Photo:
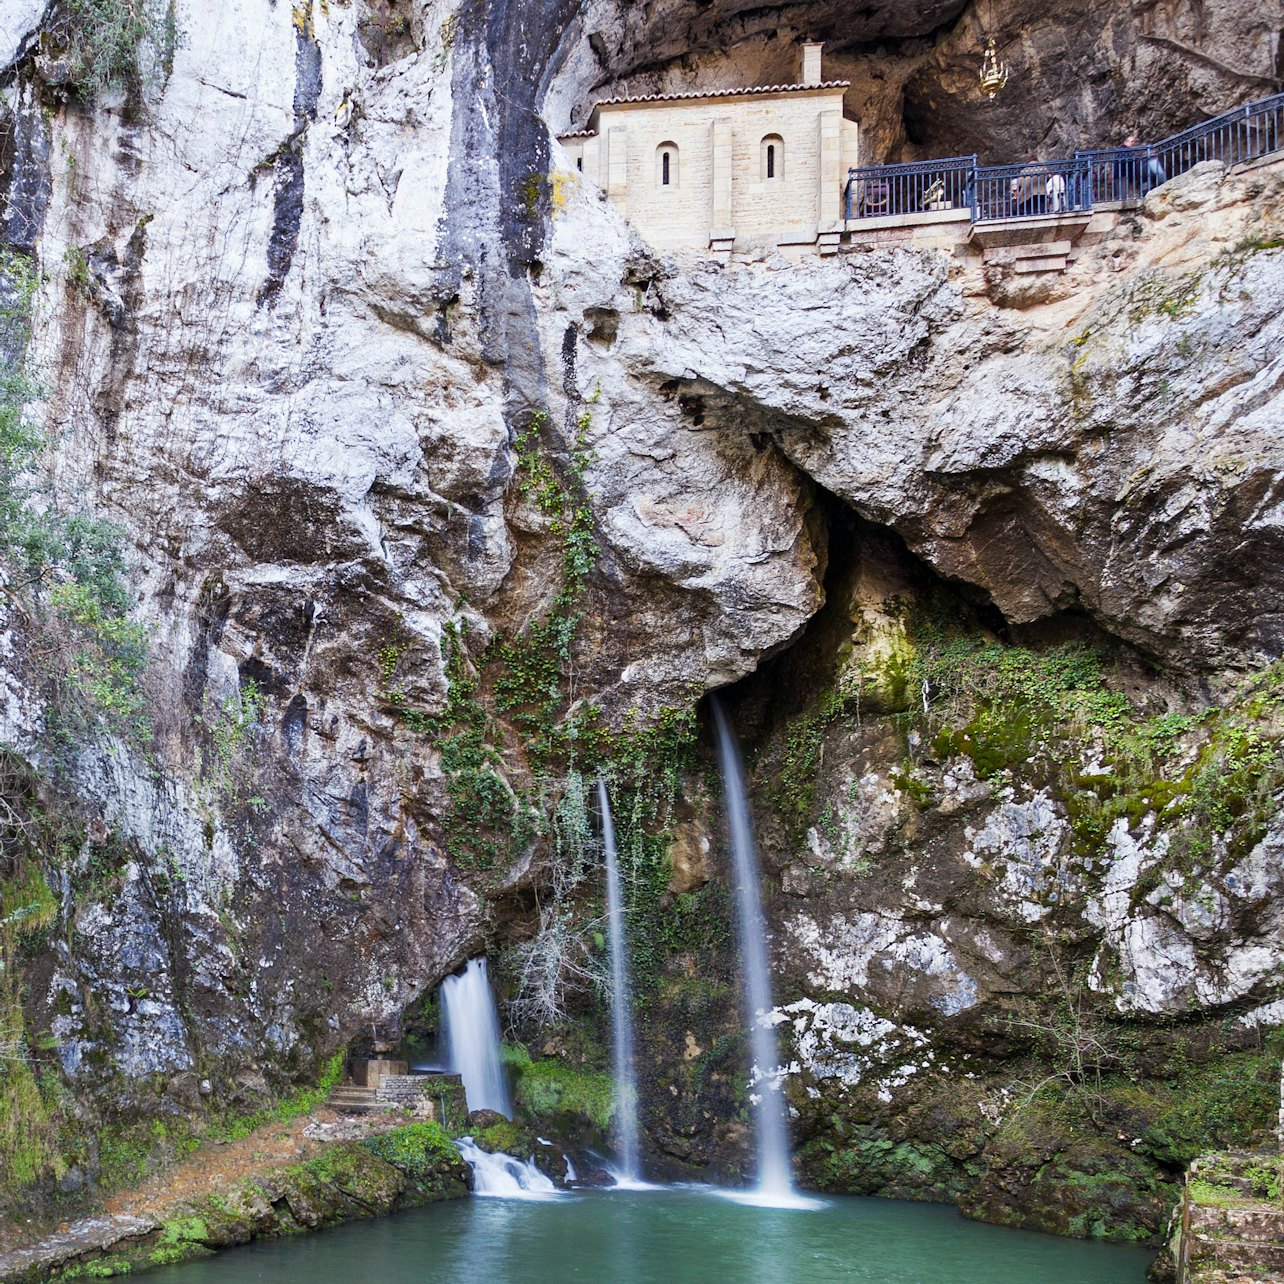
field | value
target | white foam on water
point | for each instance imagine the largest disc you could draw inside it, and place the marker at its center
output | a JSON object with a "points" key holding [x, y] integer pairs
{"points": [[624, 1182], [789, 1199], [501, 1176]]}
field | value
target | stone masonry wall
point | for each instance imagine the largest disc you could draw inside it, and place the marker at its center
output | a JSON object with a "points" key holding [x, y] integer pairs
{"points": [[783, 209]]}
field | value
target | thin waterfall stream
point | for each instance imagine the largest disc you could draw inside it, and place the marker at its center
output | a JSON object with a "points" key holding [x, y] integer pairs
{"points": [[774, 1176], [471, 1028], [624, 1066]]}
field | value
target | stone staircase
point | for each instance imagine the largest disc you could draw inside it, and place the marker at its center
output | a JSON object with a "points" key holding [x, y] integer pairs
{"points": [[1232, 1228], [353, 1099]]}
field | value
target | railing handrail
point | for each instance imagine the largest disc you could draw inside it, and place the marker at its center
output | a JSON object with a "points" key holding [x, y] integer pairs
{"points": [[1138, 167], [916, 167], [1014, 168], [1245, 111]]}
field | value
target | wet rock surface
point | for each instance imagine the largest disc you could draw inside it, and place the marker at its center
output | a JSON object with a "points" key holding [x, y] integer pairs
{"points": [[354, 360]]}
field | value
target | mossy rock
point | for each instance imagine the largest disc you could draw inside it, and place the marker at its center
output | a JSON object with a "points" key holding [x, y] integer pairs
{"points": [[873, 1164], [1082, 1187], [422, 1151], [506, 1138]]}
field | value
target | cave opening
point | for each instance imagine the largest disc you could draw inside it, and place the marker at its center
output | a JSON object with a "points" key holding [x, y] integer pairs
{"points": [[870, 563]]}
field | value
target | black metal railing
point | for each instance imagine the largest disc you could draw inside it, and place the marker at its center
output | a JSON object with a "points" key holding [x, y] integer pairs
{"points": [[913, 188], [1036, 187], [1087, 179]]}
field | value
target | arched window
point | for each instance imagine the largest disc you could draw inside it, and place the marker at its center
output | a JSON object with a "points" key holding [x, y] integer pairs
{"points": [[773, 157], [666, 165]]}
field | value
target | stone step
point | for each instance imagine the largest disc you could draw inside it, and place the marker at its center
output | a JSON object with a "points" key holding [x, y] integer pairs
{"points": [[352, 1099], [1229, 1253]]}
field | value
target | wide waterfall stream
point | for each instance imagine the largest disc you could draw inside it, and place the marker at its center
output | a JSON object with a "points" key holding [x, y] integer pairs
{"points": [[622, 1058], [672, 1237], [471, 1026]]}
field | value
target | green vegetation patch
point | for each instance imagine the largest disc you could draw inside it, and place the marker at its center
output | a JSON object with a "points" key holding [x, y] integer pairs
{"points": [[67, 569], [418, 1149], [1206, 1192], [544, 1089], [302, 1102], [1058, 718], [118, 43], [181, 1240]]}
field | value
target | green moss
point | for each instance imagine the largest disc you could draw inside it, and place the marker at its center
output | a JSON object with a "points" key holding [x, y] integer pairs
{"points": [[522, 676], [29, 1142], [798, 773], [27, 904], [302, 1102], [181, 1240], [1225, 1102], [917, 790], [352, 1179], [1209, 778], [873, 1164], [417, 1149], [1204, 1192], [1158, 294], [102, 1269], [547, 1088], [507, 1138], [531, 667]]}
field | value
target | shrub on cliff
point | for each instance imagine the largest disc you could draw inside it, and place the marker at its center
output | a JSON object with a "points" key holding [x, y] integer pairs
{"points": [[64, 571], [116, 43]]}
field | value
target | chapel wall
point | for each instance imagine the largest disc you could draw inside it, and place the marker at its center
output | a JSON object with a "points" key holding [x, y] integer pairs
{"points": [[784, 209]]}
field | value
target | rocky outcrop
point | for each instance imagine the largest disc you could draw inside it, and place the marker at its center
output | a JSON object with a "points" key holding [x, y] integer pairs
{"points": [[1043, 456], [437, 485]]}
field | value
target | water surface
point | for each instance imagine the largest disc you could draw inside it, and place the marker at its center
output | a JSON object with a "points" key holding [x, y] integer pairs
{"points": [[671, 1237]]}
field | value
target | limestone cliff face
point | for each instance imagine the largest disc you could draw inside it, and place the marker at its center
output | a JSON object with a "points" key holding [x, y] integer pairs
{"points": [[354, 359]]}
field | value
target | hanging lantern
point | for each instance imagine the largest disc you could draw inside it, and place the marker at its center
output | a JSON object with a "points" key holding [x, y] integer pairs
{"points": [[994, 72]]}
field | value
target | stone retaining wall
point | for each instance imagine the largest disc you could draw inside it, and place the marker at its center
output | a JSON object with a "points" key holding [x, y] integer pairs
{"points": [[1232, 1220], [436, 1096]]}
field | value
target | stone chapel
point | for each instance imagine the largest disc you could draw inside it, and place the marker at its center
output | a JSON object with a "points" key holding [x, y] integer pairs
{"points": [[726, 170]]}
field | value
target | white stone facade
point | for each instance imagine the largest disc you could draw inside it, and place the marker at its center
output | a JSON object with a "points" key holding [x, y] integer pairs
{"points": [[728, 170]]}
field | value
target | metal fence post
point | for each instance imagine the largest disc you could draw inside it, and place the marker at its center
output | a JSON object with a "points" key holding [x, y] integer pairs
{"points": [[974, 182]]}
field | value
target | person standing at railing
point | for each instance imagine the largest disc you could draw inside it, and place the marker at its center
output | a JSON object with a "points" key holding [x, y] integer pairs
{"points": [[1139, 171], [1056, 190], [1155, 175], [1029, 190]]}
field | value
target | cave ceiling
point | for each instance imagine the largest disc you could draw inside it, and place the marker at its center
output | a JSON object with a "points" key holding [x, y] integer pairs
{"points": [[1082, 75]]}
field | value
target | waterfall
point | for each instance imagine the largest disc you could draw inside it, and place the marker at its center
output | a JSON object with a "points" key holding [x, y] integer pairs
{"points": [[775, 1182], [623, 1064], [471, 1028], [503, 1175]]}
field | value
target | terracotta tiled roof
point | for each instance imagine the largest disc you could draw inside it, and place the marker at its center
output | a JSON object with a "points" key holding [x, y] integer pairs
{"points": [[580, 133], [723, 93]]}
